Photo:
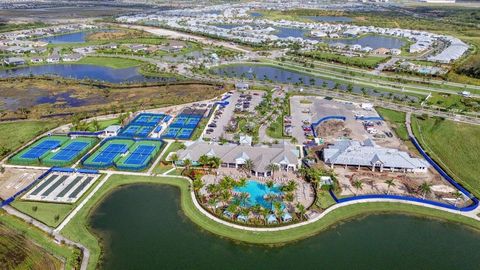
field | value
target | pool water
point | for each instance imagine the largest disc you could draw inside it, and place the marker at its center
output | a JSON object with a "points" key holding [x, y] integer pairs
{"points": [[257, 192]]}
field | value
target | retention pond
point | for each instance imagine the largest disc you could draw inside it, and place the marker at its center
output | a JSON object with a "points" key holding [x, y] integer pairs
{"points": [[143, 227]]}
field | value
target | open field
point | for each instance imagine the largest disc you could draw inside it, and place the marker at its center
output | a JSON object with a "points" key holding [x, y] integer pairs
{"points": [[396, 120], [15, 134], [365, 62], [113, 62], [69, 255], [18, 252], [77, 229], [454, 146]]}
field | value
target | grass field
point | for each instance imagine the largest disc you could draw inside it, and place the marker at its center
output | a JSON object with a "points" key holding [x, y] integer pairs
{"points": [[275, 130], [15, 134], [44, 212], [454, 146], [77, 229], [396, 120], [102, 124], [43, 245], [365, 62], [18, 252], [173, 147], [112, 62]]}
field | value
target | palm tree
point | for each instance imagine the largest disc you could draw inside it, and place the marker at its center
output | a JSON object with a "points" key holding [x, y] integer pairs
{"points": [[264, 212], [214, 162], [358, 185], [225, 196], [270, 184], [248, 166], [278, 208], [243, 198], [273, 168], [187, 163], [198, 184], [174, 158], [300, 210], [242, 182], [389, 183], [425, 188], [204, 160]]}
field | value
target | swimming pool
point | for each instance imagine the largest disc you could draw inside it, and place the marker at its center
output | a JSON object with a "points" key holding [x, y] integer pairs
{"points": [[257, 192]]}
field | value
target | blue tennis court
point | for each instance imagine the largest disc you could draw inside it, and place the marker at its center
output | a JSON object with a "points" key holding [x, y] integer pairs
{"points": [[40, 149], [144, 131], [110, 152], [171, 132], [185, 133], [140, 155], [131, 130], [70, 151]]}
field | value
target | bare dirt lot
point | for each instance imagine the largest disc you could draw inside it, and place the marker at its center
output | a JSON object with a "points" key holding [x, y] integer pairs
{"points": [[13, 180]]}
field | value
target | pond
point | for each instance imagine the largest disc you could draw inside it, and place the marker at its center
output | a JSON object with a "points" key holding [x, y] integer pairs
{"points": [[280, 75], [77, 37], [160, 236], [81, 71], [328, 18]]}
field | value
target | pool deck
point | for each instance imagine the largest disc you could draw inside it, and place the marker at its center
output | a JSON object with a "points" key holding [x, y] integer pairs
{"points": [[304, 193]]}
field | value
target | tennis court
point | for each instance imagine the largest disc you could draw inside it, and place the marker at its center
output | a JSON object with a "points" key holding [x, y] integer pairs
{"points": [[142, 125], [108, 153], [182, 127], [142, 153], [57, 150], [70, 152]]}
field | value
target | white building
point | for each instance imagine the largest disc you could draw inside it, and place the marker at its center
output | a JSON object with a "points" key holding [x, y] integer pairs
{"points": [[368, 154]]}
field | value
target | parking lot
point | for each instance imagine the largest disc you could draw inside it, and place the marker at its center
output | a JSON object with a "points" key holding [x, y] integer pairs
{"points": [[61, 187], [238, 103], [308, 109]]}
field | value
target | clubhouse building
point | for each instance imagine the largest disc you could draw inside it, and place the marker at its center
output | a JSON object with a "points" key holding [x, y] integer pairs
{"points": [[286, 156], [368, 154]]}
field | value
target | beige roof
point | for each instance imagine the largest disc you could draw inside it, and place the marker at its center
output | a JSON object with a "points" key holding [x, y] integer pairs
{"points": [[262, 156]]}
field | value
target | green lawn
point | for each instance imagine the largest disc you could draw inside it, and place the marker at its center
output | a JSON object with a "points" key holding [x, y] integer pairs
{"points": [[70, 255], [199, 129], [173, 147], [454, 146], [77, 229], [396, 120], [161, 168], [102, 124], [45, 212], [368, 61], [15, 134], [113, 62], [275, 130]]}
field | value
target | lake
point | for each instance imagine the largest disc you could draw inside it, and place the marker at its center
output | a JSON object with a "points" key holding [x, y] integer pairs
{"points": [[81, 71], [280, 75], [160, 236], [76, 37]]}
